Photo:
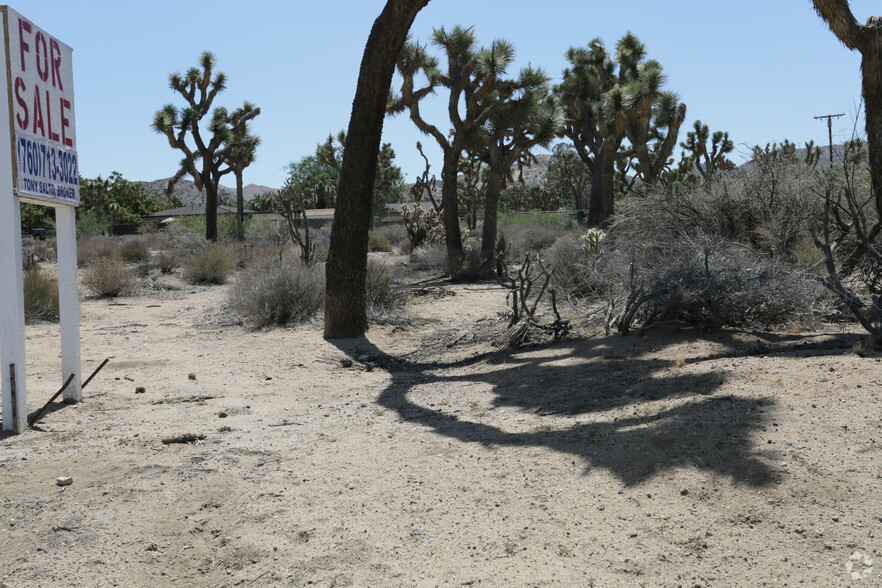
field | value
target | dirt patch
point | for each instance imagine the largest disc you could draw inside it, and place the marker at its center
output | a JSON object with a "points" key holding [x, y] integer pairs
{"points": [[423, 455]]}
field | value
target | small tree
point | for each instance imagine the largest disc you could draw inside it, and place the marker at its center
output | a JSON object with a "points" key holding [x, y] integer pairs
{"points": [[571, 175], [240, 154], [290, 203], [849, 240], [206, 162]]}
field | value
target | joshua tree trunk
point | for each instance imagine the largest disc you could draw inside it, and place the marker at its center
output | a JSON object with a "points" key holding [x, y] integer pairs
{"points": [[601, 202], [240, 208], [449, 199], [491, 209], [210, 211], [345, 312], [867, 39]]}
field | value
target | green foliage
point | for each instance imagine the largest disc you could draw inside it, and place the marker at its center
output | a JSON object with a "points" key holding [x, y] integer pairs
{"points": [[114, 201], [263, 202], [315, 179], [570, 175], [109, 277], [40, 295], [270, 292], [34, 216], [609, 100], [226, 225], [210, 265], [89, 225], [316, 176], [696, 156]]}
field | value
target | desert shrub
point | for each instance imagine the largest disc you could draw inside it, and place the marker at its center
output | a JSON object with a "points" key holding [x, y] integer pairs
{"points": [[576, 266], [711, 282], [46, 249], [109, 277], [525, 238], [431, 258], [88, 224], [28, 253], [167, 260], [210, 265], [769, 206], [40, 295], [134, 251], [95, 248], [387, 238], [383, 295], [270, 292]]}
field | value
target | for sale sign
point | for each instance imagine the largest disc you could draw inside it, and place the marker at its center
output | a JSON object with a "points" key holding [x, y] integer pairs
{"points": [[41, 85]]}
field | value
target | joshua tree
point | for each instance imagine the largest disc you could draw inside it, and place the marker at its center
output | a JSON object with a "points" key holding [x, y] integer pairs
{"points": [[608, 101], [517, 124], [346, 269], [866, 39], [569, 172], [240, 154], [471, 76], [199, 88], [707, 163]]}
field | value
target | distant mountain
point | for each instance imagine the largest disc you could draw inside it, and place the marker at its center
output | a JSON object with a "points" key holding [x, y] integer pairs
{"points": [[189, 195]]}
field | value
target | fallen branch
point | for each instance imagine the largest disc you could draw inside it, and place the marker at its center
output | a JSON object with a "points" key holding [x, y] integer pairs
{"points": [[190, 398], [185, 438]]}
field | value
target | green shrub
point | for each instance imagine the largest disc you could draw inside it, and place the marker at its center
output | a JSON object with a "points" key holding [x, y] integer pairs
{"points": [[109, 277], [211, 265], [382, 292], [40, 295], [270, 292]]}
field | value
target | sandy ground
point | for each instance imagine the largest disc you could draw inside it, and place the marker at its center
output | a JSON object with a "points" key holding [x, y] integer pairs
{"points": [[422, 455]]}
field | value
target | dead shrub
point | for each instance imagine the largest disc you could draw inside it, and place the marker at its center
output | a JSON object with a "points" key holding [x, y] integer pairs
{"points": [[95, 248], [210, 265], [109, 277], [387, 238], [710, 282], [272, 292], [40, 295], [134, 251], [383, 295], [430, 258]]}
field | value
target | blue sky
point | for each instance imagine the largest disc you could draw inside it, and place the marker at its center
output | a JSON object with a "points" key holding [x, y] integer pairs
{"points": [[757, 69]]}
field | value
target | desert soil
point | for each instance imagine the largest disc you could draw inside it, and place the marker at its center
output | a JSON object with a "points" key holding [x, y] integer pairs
{"points": [[424, 455]]}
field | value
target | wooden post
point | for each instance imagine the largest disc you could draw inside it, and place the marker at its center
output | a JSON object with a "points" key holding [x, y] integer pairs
{"points": [[68, 301], [12, 335]]}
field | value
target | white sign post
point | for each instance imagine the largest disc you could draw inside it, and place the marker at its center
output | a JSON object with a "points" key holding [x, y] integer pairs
{"points": [[38, 164]]}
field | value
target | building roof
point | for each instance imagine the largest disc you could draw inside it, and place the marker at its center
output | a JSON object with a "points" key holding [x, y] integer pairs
{"points": [[193, 210]]}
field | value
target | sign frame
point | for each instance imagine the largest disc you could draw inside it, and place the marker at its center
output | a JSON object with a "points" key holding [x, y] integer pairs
{"points": [[13, 192]]}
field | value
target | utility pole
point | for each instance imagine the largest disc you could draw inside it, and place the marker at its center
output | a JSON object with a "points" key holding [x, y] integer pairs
{"points": [[830, 118]]}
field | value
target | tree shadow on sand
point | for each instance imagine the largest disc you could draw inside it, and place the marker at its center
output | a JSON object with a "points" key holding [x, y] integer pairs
{"points": [[671, 419]]}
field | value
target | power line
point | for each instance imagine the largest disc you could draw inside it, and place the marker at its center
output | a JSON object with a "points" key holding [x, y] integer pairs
{"points": [[830, 118]]}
